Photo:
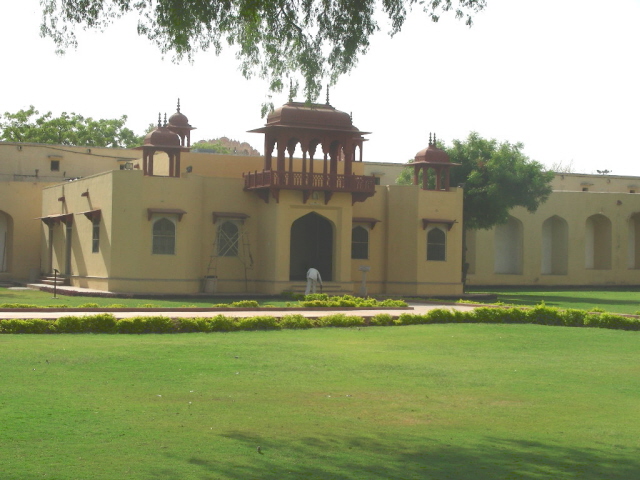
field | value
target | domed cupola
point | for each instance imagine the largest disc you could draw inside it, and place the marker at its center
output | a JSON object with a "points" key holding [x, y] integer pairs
{"points": [[326, 137], [161, 139], [435, 160], [179, 124]]}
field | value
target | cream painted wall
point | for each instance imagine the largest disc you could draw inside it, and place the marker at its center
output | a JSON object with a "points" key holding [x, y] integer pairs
{"points": [[20, 205], [19, 161], [575, 208]]}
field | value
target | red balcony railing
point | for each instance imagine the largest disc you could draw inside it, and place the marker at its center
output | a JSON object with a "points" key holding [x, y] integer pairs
{"points": [[309, 181]]}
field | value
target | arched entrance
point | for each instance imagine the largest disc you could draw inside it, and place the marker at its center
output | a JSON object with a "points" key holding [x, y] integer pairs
{"points": [[311, 246]]}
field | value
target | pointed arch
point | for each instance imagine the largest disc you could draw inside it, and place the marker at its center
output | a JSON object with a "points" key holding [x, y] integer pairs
{"points": [[555, 246], [508, 245], [311, 245], [633, 260], [597, 240]]}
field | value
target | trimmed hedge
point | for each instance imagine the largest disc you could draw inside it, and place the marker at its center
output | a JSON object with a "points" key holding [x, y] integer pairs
{"points": [[323, 300], [107, 323]]}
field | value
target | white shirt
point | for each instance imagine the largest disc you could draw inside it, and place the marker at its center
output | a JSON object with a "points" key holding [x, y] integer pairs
{"points": [[314, 274]]}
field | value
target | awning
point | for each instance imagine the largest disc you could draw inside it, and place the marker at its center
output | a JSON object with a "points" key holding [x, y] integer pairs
{"points": [[427, 221], [371, 221], [66, 218], [217, 215], [165, 211], [92, 214]]}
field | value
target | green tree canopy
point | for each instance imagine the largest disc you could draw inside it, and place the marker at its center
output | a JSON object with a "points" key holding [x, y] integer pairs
{"points": [[274, 39], [67, 129], [497, 177]]}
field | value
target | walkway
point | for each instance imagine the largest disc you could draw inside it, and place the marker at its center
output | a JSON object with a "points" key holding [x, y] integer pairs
{"points": [[46, 313], [418, 308]]}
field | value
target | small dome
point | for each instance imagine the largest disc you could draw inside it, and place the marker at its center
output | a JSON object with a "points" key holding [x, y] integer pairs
{"points": [[432, 154], [178, 119], [314, 115], [162, 137]]}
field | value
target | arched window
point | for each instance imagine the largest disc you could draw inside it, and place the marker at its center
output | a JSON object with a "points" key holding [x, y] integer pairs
{"points": [[164, 237], [95, 234], [228, 237], [359, 243], [436, 244]]}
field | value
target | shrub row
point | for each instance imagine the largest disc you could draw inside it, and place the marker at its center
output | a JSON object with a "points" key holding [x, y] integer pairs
{"points": [[107, 323], [323, 300]]}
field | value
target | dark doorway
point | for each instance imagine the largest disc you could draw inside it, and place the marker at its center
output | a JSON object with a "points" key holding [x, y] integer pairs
{"points": [[311, 246]]}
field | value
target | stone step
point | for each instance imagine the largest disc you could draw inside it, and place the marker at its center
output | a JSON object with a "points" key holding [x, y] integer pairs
{"points": [[58, 281]]}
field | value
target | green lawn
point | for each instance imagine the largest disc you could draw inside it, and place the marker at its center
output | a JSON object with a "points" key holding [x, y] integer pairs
{"points": [[618, 300], [419, 402], [45, 299]]}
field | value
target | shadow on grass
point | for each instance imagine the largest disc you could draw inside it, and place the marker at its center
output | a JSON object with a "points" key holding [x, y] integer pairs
{"points": [[380, 458]]}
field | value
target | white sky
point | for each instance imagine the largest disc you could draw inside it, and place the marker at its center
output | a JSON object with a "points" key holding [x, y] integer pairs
{"points": [[561, 76]]}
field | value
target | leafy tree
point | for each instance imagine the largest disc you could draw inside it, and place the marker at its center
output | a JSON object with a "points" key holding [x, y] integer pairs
{"points": [[211, 147], [497, 177], [274, 38], [67, 129]]}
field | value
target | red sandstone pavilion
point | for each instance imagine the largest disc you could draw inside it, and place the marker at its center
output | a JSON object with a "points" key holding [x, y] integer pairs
{"points": [[322, 131]]}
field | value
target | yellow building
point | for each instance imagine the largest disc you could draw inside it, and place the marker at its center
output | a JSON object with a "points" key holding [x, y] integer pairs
{"points": [[587, 233], [164, 220]]}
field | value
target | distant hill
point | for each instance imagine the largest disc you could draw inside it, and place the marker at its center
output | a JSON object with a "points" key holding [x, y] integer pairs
{"points": [[224, 145]]}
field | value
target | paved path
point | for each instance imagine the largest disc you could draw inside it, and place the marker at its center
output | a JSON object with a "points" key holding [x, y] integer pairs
{"points": [[415, 308]]}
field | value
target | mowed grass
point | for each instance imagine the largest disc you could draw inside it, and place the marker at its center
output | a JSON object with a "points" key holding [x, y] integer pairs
{"points": [[618, 300], [45, 299], [417, 402]]}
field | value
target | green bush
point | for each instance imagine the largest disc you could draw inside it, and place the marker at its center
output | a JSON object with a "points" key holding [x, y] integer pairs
{"points": [[32, 325], [258, 323], [610, 320], [89, 305], [381, 319], [221, 323], [341, 320], [573, 317], [409, 319], [185, 325], [70, 324], [597, 310], [296, 321], [138, 325], [313, 303], [245, 304], [17, 305], [543, 315], [389, 302], [439, 315], [316, 296], [116, 305], [488, 315], [101, 323]]}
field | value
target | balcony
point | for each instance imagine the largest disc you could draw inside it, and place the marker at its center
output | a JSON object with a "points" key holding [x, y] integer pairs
{"points": [[269, 181]]}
